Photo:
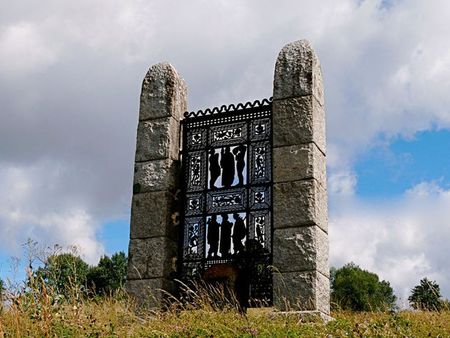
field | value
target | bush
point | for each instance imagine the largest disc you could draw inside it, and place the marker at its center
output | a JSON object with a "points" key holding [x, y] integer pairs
{"points": [[426, 296], [109, 275], [360, 290], [65, 273]]}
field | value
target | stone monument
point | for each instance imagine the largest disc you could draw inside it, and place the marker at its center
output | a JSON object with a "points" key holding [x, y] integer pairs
{"points": [[293, 194], [154, 208], [300, 256]]}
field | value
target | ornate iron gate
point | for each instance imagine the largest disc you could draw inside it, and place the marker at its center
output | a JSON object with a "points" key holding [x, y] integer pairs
{"points": [[227, 189]]}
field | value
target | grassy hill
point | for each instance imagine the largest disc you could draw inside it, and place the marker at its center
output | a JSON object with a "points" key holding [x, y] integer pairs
{"points": [[43, 315]]}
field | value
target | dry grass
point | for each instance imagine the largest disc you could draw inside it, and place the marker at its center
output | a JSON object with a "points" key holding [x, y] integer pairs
{"points": [[37, 310], [42, 313]]}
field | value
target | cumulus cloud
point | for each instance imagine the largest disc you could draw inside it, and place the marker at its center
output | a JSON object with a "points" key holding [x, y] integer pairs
{"points": [[32, 206], [342, 183], [25, 50], [70, 75], [402, 239]]}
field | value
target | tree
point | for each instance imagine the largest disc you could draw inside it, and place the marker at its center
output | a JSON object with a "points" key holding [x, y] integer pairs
{"points": [[66, 273], [360, 290], [426, 296], [2, 288], [109, 275]]}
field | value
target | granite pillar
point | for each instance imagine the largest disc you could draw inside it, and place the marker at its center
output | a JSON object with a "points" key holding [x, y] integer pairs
{"points": [[155, 201], [300, 240]]}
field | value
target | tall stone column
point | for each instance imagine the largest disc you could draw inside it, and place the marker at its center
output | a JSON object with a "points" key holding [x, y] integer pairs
{"points": [[300, 240], [154, 210]]}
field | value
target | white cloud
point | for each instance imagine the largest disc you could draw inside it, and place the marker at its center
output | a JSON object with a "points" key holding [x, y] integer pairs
{"points": [[403, 239], [31, 207], [25, 50], [342, 183], [386, 73]]}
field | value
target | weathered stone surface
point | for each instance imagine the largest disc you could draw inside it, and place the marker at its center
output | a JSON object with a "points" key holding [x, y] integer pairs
{"points": [[300, 291], [154, 214], [151, 258], [294, 291], [147, 292], [299, 162], [156, 175], [163, 94], [155, 207], [323, 293], [299, 203], [300, 249], [158, 139], [300, 240], [308, 316], [298, 72], [298, 120]]}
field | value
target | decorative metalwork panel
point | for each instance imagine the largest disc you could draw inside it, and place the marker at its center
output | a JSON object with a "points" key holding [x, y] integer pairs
{"points": [[196, 139], [196, 171], [234, 133], [194, 204], [193, 238], [227, 200], [260, 228], [260, 162], [260, 129], [227, 189], [260, 197]]}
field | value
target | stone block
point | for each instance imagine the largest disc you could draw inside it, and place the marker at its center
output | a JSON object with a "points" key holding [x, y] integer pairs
{"points": [[298, 120], [299, 162], [323, 293], [151, 258], [301, 291], [298, 72], [163, 94], [299, 203], [150, 293], [156, 175], [158, 139], [154, 214], [309, 316], [300, 249], [294, 291]]}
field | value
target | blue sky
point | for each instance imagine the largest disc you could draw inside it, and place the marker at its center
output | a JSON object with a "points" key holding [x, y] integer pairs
{"points": [[388, 170], [115, 236], [70, 77]]}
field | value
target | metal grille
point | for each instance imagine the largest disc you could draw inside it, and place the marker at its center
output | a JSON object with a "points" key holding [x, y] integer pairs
{"points": [[227, 189]]}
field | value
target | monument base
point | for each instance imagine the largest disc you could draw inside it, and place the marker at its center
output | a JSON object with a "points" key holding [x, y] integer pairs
{"points": [[306, 316], [301, 316]]}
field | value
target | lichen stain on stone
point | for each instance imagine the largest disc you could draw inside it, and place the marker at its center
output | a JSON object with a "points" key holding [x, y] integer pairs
{"points": [[175, 218]]}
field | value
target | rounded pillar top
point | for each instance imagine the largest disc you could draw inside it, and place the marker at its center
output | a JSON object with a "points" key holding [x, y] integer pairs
{"points": [[298, 72], [164, 93]]}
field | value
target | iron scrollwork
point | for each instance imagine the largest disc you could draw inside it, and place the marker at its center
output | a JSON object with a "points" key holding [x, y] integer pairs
{"points": [[227, 163]]}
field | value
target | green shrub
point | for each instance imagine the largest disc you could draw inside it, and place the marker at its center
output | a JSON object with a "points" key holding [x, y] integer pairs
{"points": [[109, 275], [65, 273], [360, 290], [426, 296]]}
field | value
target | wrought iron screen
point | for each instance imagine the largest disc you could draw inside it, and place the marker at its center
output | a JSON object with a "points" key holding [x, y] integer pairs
{"points": [[227, 189]]}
